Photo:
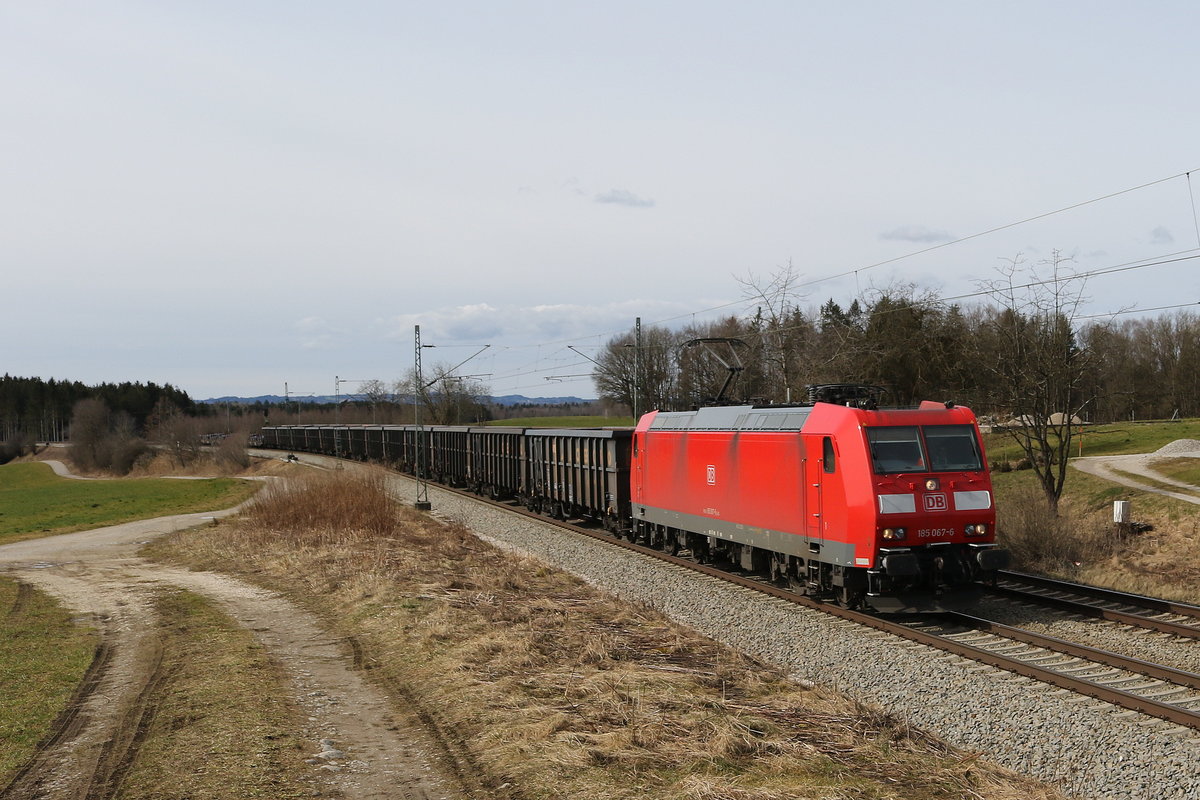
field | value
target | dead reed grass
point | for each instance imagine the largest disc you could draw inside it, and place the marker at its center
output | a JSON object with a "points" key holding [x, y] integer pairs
{"points": [[1045, 542], [1083, 544], [551, 689]]}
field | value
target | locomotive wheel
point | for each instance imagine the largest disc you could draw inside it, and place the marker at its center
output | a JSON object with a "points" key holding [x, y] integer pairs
{"points": [[849, 598]]}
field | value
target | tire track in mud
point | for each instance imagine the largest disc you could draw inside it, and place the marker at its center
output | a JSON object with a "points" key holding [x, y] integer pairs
{"points": [[28, 781], [118, 753], [21, 601], [96, 744], [454, 752], [392, 755]]}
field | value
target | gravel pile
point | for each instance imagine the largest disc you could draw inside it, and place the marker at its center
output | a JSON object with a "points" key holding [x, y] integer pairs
{"points": [[1180, 447], [1087, 748]]}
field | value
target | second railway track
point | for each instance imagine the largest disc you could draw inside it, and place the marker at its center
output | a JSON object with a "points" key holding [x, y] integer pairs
{"points": [[1152, 613]]}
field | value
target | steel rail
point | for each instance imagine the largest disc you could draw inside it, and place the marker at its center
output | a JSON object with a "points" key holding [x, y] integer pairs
{"points": [[1148, 668], [1100, 593], [1180, 629]]}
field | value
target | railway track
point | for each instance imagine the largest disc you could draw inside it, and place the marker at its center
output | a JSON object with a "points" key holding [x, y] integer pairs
{"points": [[1149, 688], [1164, 616], [1152, 689]]}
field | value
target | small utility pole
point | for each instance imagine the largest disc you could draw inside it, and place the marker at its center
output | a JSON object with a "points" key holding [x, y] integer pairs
{"points": [[422, 503], [337, 405], [637, 370]]}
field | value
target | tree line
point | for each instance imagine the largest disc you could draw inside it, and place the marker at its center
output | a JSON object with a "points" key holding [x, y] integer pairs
{"points": [[1023, 357], [36, 409]]}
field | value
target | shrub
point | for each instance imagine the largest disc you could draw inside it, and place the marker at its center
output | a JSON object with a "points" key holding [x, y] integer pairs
{"points": [[101, 440], [15, 446], [1041, 541], [330, 501], [231, 453]]}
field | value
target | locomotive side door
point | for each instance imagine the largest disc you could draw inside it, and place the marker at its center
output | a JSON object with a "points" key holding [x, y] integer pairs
{"points": [[638, 459], [814, 471]]}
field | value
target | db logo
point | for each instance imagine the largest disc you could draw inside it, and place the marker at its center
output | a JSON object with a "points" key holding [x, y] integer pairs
{"points": [[936, 502], [712, 474]]}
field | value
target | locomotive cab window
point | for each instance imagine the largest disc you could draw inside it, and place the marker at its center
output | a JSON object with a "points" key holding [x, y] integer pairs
{"points": [[828, 456], [896, 449], [953, 448]]}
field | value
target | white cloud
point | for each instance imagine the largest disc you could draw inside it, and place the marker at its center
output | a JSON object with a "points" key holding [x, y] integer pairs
{"points": [[316, 333], [522, 325], [916, 233], [1161, 235], [623, 197]]}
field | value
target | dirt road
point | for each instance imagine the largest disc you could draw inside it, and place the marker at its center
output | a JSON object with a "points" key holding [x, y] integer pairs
{"points": [[362, 746], [1141, 464]]}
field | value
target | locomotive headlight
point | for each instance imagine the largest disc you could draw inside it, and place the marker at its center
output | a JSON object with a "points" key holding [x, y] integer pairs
{"points": [[893, 533], [979, 529], [932, 484]]}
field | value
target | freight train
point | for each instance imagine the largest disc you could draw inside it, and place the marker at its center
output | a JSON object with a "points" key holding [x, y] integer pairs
{"points": [[887, 508]]}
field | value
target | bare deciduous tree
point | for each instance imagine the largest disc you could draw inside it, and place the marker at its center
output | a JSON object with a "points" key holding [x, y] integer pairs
{"points": [[625, 371], [175, 432], [1036, 362], [101, 440], [376, 393], [446, 398], [780, 326]]}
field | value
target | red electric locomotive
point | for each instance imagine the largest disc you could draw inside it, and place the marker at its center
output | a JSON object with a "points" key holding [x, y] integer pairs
{"points": [[888, 508]]}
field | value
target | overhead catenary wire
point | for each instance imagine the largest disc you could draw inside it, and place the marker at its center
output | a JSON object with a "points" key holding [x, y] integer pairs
{"points": [[1195, 219], [1169, 258]]}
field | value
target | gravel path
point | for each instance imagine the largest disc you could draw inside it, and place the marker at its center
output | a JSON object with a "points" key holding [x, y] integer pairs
{"points": [[1140, 464], [362, 747], [1087, 748]]}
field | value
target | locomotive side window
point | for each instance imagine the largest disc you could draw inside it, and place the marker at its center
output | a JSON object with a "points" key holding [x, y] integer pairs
{"points": [[896, 449], [953, 448], [828, 456]]}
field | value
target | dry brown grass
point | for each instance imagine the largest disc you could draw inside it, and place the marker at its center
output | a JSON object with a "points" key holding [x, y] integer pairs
{"points": [[221, 728], [227, 461], [1041, 541], [1084, 545], [547, 688]]}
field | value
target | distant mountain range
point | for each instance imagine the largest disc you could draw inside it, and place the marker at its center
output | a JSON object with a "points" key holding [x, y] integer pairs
{"points": [[505, 400]]}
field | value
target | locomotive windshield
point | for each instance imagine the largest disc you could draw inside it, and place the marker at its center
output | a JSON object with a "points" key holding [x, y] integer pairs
{"points": [[909, 448], [953, 448]]}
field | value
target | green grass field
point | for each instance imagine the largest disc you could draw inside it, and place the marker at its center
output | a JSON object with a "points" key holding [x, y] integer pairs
{"points": [[43, 656], [35, 502], [1118, 438]]}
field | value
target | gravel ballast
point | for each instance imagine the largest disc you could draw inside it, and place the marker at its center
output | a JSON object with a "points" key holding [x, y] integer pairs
{"points": [[1088, 748]]}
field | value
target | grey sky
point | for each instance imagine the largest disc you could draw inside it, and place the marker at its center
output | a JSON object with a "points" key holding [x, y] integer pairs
{"points": [[230, 195]]}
